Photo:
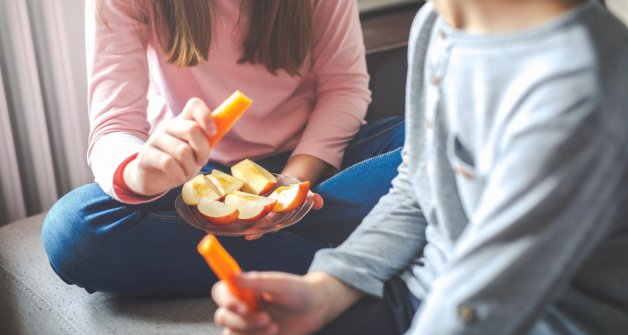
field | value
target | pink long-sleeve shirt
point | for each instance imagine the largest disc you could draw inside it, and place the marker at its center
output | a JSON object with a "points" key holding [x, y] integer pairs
{"points": [[132, 87]]}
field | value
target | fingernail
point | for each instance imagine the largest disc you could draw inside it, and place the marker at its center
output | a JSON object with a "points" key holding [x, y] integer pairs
{"points": [[211, 130], [242, 309], [273, 329], [262, 319]]}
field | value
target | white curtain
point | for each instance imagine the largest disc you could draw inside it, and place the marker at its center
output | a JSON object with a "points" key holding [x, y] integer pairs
{"points": [[43, 118]]}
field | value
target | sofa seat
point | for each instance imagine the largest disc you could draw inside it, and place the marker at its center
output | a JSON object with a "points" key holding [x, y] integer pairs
{"points": [[33, 300]]}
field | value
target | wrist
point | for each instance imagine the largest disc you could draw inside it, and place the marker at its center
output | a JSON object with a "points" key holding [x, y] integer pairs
{"points": [[305, 167], [131, 180], [127, 174], [336, 296], [135, 181]]}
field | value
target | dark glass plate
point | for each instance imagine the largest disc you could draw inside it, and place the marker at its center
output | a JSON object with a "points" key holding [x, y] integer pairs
{"points": [[270, 223]]}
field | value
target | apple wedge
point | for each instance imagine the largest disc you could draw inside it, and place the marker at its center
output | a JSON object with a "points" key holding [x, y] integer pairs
{"points": [[250, 206], [224, 182], [217, 212], [197, 188], [256, 179], [289, 197]]}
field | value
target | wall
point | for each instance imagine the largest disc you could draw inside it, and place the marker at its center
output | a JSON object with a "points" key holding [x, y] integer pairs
{"points": [[619, 8], [371, 5]]}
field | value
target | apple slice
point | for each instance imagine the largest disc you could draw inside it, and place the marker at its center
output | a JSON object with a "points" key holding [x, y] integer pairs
{"points": [[225, 183], [197, 188], [256, 179], [251, 207], [290, 197], [217, 212]]}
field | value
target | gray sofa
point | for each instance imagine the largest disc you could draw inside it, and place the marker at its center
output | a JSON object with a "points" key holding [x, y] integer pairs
{"points": [[33, 300]]}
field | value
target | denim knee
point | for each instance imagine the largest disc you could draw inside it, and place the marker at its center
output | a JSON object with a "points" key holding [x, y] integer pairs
{"points": [[395, 132], [70, 230], [399, 133]]}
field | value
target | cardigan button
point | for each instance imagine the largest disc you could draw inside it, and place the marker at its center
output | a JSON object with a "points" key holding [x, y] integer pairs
{"points": [[465, 172], [466, 314], [435, 80]]}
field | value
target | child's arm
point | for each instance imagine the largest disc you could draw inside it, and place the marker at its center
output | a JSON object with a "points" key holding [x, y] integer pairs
{"points": [[387, 241]]}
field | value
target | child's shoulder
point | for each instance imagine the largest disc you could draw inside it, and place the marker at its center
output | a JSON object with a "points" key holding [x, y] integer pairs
{"points": [[586, 47], [424, 17], [421, 28]]}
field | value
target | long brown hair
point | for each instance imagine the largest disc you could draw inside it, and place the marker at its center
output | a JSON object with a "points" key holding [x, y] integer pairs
{"points": [[279, 37]]}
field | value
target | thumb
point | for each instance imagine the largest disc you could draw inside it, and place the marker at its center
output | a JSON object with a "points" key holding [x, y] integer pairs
{"points": [[318, 200], [196, 110]]}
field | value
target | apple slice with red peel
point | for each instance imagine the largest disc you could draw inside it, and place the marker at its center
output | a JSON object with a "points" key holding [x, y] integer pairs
{"points": [[256, 179], [197, 188], [217, 212], [224, 182], [289, 197], [251, 207]]}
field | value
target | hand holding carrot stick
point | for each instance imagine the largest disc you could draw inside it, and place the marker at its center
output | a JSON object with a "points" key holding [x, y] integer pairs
{"points": [[225, 268], [179, 147]]}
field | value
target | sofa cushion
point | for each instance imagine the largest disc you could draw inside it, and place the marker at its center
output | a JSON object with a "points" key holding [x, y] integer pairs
{"points": [[35, 301]]}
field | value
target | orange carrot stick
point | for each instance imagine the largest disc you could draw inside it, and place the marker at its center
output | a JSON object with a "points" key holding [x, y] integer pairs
{"points": [[228, 113], [225, 268]]}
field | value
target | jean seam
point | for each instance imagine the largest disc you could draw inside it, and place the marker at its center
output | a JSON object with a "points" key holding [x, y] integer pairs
{"points": [[379, 133], [166, 217]]}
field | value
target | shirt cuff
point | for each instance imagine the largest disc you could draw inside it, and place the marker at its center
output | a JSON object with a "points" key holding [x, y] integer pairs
{"points": [[344, 269], [105, 158], [122, 190]]}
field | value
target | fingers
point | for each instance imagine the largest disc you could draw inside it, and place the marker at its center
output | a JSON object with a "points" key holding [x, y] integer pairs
{"points": [[153, 158], [272, 329], [257, 323], [269, 283], [191, 133], [252, 237], [178, 149], [235, 316], [318, 200], [195, 109], [223, 297], [277, 285]]}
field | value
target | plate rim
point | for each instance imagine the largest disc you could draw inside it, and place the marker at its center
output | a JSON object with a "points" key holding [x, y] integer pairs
{"points": [[307, 206]]}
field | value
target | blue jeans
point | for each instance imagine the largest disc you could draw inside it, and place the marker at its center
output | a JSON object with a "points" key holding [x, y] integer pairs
{"points": [[390, 314], [100, 244]]}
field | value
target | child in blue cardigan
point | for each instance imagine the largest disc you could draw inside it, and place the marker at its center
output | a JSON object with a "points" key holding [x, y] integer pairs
{"points": [[508, 215]]}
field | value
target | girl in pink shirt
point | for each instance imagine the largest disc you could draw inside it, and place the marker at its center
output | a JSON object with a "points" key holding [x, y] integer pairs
{"points": [[156, 68]]}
